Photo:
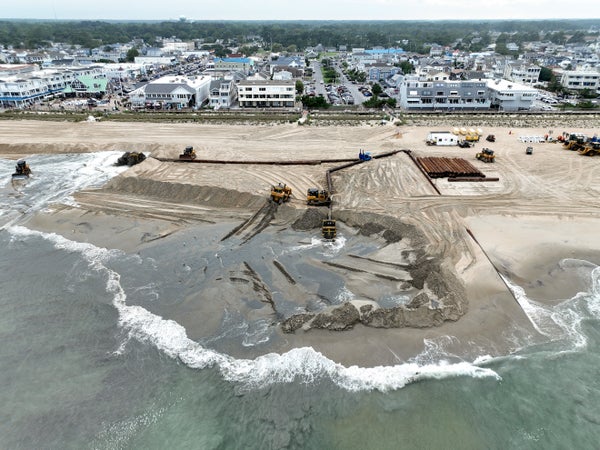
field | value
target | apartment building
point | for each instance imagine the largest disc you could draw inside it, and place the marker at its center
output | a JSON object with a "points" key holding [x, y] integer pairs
{"points": [[443, 94], [25, 89], [522, 72], [581, 78], [266, 93]]}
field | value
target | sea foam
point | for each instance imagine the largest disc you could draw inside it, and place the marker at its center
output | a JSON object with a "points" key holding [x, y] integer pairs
{"points": [[300, 364]]}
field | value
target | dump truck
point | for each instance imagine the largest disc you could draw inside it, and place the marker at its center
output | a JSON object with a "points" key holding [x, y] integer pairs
{"points": [[329, 229], [130, 159], [318, 197], [188, 153], [486, 155], [280, 193]]}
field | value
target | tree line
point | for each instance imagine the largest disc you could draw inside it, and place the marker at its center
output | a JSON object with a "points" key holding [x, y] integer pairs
{"points": [[410, 35]]}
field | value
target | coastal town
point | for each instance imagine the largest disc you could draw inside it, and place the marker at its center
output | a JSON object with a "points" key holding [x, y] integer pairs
{"points": [[179, 75]]}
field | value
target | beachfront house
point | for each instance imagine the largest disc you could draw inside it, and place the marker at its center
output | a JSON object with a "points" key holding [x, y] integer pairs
{"points": [[506, 95], [222, 93], [266, 93], [172, 92]]}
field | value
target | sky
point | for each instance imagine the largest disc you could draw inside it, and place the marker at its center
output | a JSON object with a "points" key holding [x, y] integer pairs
{"points": [[299, 9]]}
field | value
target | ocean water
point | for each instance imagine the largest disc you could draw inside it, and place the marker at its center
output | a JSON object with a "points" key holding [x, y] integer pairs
{"points": [[88, 360]]}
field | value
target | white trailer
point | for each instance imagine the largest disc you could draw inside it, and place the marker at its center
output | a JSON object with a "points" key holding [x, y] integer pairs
{"points": [[441, 138]]}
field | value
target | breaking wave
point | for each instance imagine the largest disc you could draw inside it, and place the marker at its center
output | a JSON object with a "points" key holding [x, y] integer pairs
{"points": [[300, 364]]}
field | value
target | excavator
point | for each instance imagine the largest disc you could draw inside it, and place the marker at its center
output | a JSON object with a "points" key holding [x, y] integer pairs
{"points": [[188, 153], [486, 155], [22, 170], [281, 193], [318, 197], [329, 229], [130, 159]]}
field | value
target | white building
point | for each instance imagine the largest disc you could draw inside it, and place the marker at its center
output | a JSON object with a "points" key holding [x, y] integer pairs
{"points": [[522, 72], [172, 92], [27, 88], [266, 93], [581, 78], [506, 95], [222, 93]]}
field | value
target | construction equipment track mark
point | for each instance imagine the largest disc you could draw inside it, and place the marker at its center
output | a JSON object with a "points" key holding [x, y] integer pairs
{"points": [[284, 272], [255, 224]]}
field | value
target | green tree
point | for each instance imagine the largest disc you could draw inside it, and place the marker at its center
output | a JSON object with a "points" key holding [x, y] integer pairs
{"points": [[299, 87], [545, 74], [407, 67], [131, 54], [376, 89], [314, 102]]}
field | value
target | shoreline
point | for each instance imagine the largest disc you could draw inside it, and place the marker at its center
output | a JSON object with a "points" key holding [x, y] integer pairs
{"points": [[527, 213]]}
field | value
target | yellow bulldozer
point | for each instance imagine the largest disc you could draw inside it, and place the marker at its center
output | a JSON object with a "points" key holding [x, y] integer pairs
{"points": [[280, 193], [188, 154], [318, 197], [486, 155]]}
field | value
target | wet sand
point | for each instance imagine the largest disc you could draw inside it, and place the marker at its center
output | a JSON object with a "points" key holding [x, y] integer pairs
{"points": [[543, 209]]}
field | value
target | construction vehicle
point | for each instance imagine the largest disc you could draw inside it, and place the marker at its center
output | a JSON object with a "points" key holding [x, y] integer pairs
{"points": [[490, 138], [486, 155], [529, 151], [574, 141], [281, 193], [329, 229], [472, 136], [188, 153], [364, 156], [130, 159], [590, 149], [318, 197], [464, 144], [22, 170]]}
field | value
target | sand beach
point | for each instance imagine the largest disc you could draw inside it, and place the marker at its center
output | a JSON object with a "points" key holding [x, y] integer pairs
{"points": [[543, 209]]}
